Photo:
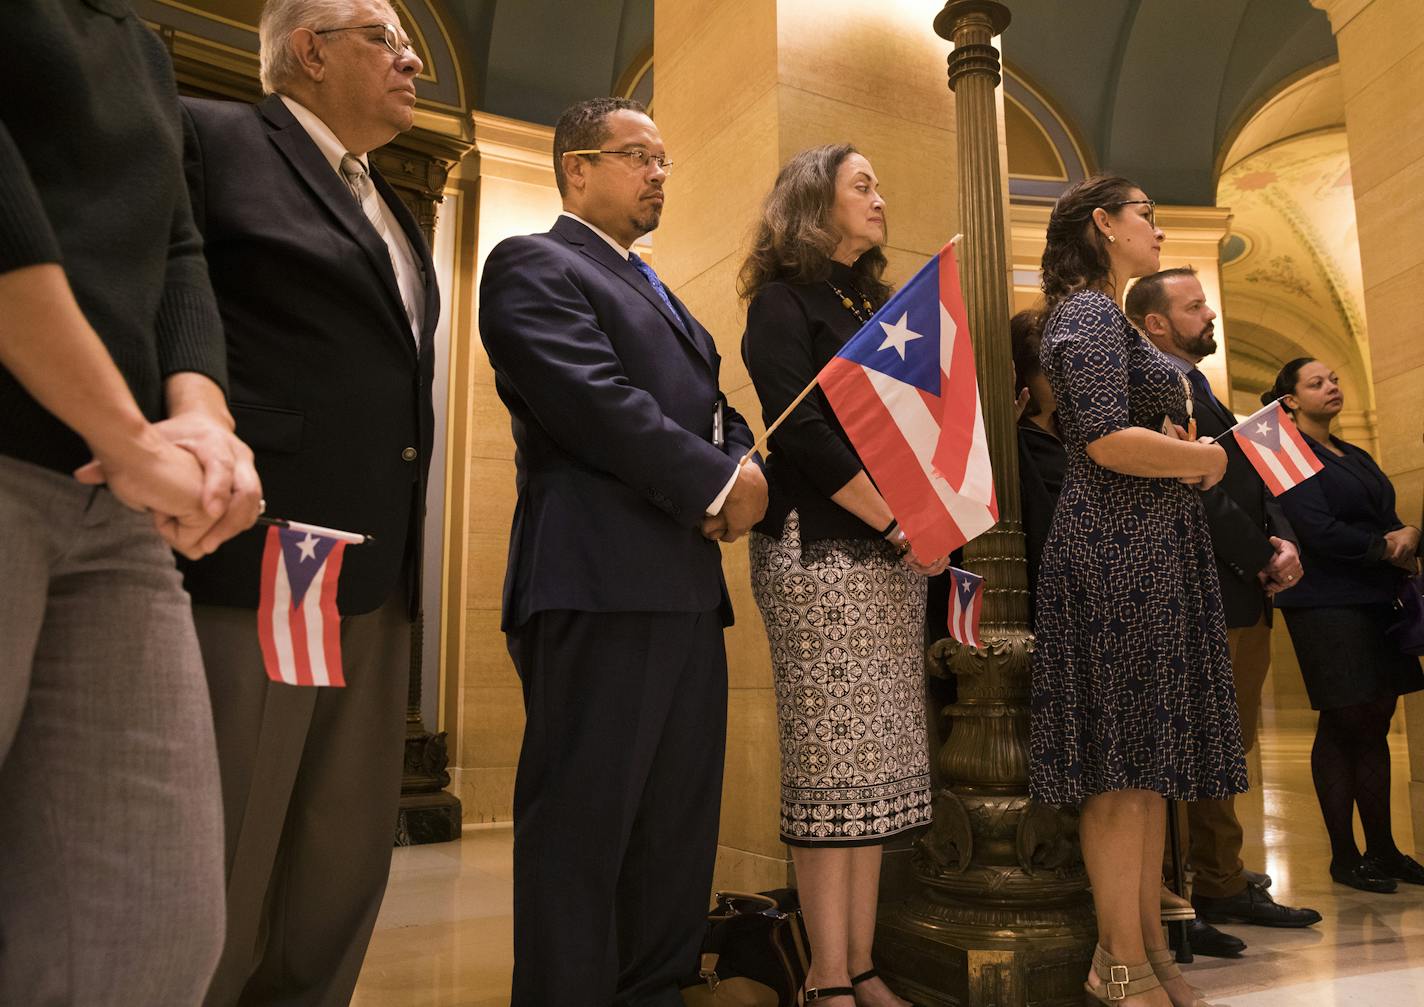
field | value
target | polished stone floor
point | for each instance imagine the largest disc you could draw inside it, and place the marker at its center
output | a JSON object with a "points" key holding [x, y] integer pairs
{"points": [[443, 938]]}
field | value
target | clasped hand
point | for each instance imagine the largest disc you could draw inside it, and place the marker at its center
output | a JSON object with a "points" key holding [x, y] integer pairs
{"points": [[1284, 570], [1401, 547], [744, 507], [1216, 459], [191, 473]]}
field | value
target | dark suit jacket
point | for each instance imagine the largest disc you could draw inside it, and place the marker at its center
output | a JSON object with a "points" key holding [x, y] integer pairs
{"points": [[1342, 513], [326, 384], [1242, 516], [611, 396]]}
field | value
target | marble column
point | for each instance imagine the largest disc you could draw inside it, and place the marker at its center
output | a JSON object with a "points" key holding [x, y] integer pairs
{"points": [[1381, 46]]}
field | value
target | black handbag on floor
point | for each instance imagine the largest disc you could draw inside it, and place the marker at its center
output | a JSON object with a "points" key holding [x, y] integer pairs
{"points": [[754, 954]]}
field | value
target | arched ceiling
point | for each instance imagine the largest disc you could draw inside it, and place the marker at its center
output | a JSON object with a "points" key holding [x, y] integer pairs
{"points": [[1154, 87], [1291, 276]]}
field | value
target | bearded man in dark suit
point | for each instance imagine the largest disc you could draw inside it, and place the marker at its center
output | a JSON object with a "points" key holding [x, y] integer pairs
{"points": [[627, 469], [328, 298], [1256, 556]]}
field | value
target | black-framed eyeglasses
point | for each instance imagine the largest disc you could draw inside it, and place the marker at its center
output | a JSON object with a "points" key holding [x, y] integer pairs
{"points": [[641, 158], [1151, 208], [390, 36]]}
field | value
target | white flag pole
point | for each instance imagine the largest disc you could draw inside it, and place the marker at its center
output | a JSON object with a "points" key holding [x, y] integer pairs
{"points": [[349, 537]]}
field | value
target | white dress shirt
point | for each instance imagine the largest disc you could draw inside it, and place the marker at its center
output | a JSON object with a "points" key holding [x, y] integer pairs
{"points": [[403, 257], [715, 506]]}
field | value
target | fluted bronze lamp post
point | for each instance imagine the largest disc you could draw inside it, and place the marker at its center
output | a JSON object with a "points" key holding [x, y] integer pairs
{"points": [[1001, 914]]}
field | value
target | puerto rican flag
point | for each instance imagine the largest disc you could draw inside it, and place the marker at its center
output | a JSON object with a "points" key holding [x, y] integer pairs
{"points": [[297, 621], [965, 603], [905, 390], [1274, 446]]}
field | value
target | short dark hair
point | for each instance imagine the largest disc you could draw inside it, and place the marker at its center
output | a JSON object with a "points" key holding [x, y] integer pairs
{"points": [[1148, 296], [1286, 381], [584, 127], [1075, 253], [1026, 337], [794, 239]]}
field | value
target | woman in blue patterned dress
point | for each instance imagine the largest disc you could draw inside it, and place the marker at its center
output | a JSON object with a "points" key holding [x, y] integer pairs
{"points": [[1133, 699]]}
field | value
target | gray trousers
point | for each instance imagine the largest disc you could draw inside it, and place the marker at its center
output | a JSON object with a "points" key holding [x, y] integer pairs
{"points": [[311, 783], [110, 828]]}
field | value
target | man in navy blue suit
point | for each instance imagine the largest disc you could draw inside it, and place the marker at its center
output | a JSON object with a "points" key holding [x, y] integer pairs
{"points": [[1256, 556], [627, 468]]}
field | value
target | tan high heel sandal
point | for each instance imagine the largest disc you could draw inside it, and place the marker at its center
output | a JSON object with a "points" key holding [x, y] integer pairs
{"points": [[1117, 981], [1164, 964]]}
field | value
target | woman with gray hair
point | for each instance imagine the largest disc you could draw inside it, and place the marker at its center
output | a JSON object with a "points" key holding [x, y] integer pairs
{"points": [[842, 596]]}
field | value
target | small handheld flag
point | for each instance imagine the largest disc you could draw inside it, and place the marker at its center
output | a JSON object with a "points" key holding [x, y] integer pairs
{"points": [[1273, 445], [905, 390], [297, 622], [965, 603]]}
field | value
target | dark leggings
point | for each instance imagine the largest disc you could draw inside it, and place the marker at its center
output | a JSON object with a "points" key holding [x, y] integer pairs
{"points": [[1350, 764]]}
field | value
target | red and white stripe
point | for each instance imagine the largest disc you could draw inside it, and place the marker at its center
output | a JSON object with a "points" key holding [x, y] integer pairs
{"points": [[300, 646], [1291, 465], [964, 620], [928, 454]]}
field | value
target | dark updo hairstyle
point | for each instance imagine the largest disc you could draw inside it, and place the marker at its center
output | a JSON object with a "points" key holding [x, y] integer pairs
{"points": [[1026, 335], [1286, 381], [1075, 255], [794, 241]]}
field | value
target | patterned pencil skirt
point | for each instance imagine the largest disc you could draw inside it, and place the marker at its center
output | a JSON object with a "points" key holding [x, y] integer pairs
{"points": [[846, 625]]}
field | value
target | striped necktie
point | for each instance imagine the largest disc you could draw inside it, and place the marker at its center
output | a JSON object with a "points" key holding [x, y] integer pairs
{"points": [[358, 180]]}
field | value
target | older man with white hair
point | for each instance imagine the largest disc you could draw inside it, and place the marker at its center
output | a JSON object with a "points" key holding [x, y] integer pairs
{"points": [[328, 300]]}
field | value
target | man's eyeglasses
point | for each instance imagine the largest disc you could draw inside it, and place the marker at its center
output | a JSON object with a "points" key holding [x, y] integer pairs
{"points": [[1151, 208], [641, 158], [390, 36]]}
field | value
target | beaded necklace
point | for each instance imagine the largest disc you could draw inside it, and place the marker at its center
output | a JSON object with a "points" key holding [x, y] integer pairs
{"points": [[850, 305]]}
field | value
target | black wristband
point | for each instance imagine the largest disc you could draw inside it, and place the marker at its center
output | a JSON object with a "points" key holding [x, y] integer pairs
{"points": [[889, 529]]}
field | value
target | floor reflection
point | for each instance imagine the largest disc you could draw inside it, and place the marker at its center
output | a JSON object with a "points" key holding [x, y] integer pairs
{"points": [[443, 937]]}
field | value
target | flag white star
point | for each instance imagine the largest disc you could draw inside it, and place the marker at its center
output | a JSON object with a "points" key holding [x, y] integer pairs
{"points": [[1263, 428], [898, 335], [308, 548]]}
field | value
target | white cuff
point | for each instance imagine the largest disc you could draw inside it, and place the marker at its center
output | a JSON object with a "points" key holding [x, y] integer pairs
{"points": [[715, 507]]}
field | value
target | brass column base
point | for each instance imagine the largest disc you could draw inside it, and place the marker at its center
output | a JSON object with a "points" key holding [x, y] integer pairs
{"points": [[428, 814], [937, 964]]}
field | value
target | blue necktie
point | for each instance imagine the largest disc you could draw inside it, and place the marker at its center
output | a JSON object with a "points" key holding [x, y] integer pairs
{"points": [[652, 278]]}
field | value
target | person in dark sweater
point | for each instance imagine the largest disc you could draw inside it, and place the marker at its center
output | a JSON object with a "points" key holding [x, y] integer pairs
{"points": [[115, 443], [842, 597], [1357, 551], [1042, 459]]}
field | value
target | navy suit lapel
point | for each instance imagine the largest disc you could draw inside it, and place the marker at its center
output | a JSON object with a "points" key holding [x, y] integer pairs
{"points": [[598, 250], [307, 161]]}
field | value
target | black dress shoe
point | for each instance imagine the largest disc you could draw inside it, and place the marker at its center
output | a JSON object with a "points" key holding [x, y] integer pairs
{"points": [[1252, 905], [1400, 867], [1205, 939], [1361, 875]]}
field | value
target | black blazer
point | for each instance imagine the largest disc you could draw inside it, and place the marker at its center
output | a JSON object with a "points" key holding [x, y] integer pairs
{"points": [[1341, 514], [326, 384], [1242, 516], [792, 331], [611, 397]]}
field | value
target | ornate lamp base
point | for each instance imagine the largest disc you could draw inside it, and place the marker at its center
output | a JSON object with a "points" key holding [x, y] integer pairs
{"points": [[427, 813], [942, 965]]}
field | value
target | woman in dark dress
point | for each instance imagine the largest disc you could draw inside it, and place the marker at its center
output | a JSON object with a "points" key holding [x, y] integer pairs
{"points": [[1357, 551], [842, 598], [1132, 690]]}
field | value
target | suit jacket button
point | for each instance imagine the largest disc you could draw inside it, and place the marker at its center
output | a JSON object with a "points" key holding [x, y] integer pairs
{"points": [[409, 454]]}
